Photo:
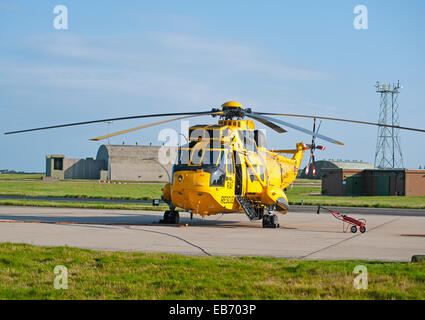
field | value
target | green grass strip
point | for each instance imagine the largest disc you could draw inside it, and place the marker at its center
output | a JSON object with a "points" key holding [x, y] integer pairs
{"points": [[86, 190], [26, 272]]}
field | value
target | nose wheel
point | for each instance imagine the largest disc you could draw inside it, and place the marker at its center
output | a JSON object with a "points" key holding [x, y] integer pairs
{"points": [[170, 217], [270, 221]]}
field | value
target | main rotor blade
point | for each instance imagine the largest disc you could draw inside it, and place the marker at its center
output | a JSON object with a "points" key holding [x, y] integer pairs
{"points": [[140, 127], [318, 128], [315, 131], [339, 119], [114, 119], [272, 125], [293, 126]]}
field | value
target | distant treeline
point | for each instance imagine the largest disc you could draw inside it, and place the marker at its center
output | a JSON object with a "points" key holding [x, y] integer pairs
{"points": [[7, 171]]}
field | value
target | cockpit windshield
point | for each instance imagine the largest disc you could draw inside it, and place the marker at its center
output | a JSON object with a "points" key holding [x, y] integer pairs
{"points": [[248, 139], [198, 155], [208, 159]]}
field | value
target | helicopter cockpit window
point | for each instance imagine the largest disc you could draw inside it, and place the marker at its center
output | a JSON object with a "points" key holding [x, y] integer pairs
{"points": [[196, 134], [204, 156], [212, 134], [229, 162], [196, 156], [251, 174], [260, 138], [210, 157], [222, 161], [218, 175], [248, 139], [259, 170], [182, 156], [200, 156]]}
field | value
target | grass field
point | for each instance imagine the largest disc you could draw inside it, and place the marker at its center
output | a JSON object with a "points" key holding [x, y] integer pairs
{"points": [[23, 177], [306, 195], [311, 196], [84, 205], [308, 182], [81, 190], [26, 272]]}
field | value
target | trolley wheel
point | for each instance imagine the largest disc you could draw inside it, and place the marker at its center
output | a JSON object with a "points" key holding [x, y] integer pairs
{"points": [[353, 229], [363, 229]]}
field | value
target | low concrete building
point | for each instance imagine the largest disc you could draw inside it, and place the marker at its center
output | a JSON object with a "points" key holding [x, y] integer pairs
{"points": [[57, 166], [114, 162], [376, 182]]}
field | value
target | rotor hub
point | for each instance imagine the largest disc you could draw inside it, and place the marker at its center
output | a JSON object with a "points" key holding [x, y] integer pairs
{"points": [[232, 110]]}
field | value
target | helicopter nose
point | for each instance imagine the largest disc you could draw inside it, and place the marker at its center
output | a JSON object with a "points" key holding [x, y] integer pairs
{"points": [[282, 203]]}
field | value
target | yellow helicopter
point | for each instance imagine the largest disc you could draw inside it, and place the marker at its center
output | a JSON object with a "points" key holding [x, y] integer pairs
{"points": [[226, 167]]}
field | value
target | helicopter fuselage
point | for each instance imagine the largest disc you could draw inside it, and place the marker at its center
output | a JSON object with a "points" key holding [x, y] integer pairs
{"points": [[228, 160]]}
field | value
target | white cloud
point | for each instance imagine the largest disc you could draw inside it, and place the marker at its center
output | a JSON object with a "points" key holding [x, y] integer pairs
{"points": [[236, 57], [165, 66]]}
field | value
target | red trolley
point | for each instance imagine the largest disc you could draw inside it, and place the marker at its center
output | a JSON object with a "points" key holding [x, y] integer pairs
{"points": [[355, 223]]}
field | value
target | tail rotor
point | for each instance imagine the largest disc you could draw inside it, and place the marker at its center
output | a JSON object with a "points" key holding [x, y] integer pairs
{"points": [[313, 147]]}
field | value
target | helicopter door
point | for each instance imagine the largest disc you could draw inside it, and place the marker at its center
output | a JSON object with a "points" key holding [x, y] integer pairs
{"points": [[230, 176], [228, 192], [254, 186], [238, 174]]}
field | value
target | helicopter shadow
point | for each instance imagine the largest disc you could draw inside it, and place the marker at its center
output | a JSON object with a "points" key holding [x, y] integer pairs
{"points": [[121, 219]]}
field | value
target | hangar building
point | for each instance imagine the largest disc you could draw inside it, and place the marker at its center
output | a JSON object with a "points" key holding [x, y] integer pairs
{"points": [[373, 182], [137, 163], [333, 164], [113, 162]]}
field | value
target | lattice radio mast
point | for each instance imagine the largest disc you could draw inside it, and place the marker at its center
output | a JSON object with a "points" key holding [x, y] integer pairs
{"points": [[388, 150]]}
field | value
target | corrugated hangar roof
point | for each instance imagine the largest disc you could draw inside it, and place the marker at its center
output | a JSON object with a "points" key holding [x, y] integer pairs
{"points": [[345, 164], [138, 163], [334, 164]]}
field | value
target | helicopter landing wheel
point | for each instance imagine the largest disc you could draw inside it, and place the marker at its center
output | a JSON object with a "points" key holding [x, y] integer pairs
{"points": [[270, 221], [167, 215], [170, 217], [353, 229], [174, 217]]}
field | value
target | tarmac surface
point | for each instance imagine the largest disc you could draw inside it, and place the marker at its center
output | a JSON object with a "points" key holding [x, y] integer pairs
{"points": [[303, 234], [294, 208]]}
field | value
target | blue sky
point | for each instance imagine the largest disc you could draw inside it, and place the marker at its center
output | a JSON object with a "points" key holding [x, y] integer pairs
{"points": [[136, 57]]}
